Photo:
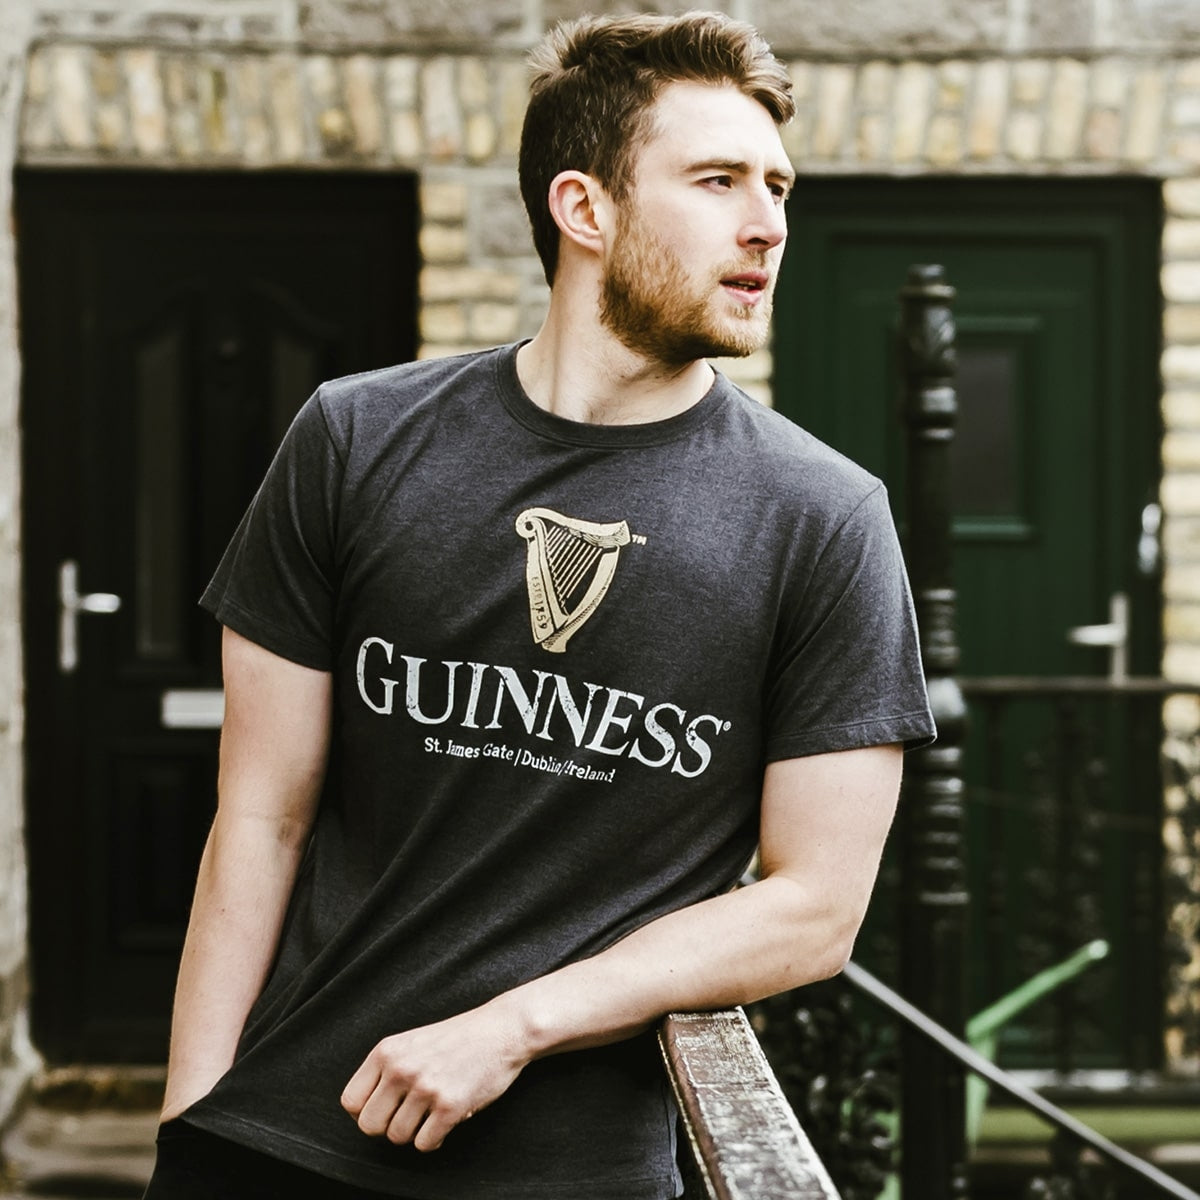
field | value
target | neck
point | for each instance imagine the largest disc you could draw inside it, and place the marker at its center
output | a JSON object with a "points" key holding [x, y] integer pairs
{"points": [[574, 368]]}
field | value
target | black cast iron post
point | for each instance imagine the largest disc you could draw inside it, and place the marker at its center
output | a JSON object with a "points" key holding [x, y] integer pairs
{"points": [[933, 874]]}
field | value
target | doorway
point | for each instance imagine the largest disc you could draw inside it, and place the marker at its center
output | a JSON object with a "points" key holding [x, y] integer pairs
{"points": [[1056, 466], [171, 325]]}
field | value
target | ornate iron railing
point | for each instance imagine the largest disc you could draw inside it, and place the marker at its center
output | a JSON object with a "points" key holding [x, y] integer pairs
{"points": [[838, 1067], [1083, 796], [1105, 789], [930, 835], [1097, 784], [1082, 801], [1078, 1178]]}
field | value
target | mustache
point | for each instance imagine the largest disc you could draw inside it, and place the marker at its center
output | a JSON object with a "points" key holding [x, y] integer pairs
{"points": [[748, 266]]}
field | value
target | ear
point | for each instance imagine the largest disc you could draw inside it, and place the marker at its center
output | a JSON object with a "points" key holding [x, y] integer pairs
{"points": [[581, 208]]}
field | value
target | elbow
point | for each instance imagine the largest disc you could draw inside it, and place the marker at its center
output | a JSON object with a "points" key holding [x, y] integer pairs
{"points": [[833, 959], [828, 940], [829, 952]]}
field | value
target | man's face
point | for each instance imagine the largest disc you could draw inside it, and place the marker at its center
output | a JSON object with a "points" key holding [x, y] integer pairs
{"points": [[692, 266]]}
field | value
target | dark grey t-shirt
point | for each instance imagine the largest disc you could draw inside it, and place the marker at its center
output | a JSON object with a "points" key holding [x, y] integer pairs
{"points": [[561, 654]]}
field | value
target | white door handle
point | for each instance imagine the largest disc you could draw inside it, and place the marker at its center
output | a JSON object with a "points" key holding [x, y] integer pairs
{"points": [[1149, 547], [1114, 635], [70, 604]]}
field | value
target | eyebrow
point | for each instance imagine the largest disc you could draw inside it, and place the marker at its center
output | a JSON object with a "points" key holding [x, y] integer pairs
{"points": [[741, 167]]}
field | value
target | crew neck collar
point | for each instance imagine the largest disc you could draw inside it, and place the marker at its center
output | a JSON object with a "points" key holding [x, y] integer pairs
{"points": [[584, 433]]}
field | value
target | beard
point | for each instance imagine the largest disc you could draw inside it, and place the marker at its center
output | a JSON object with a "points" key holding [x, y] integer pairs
{"points": [[649, 302]]}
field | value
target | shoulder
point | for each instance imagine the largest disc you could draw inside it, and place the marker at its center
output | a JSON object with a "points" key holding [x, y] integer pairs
{"points": [[391, 392], [792, 464]]}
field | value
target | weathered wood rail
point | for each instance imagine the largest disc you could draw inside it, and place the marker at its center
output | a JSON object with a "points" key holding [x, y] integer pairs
{"points": [[744, 1137]]}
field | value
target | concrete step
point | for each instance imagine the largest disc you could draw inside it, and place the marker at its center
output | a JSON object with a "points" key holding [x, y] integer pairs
{"points": [[1013, 1146], [84, 1133], [99, 1154]]}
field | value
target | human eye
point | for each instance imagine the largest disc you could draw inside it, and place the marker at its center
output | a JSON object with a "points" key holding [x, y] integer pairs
{"points": [[721, 182]]}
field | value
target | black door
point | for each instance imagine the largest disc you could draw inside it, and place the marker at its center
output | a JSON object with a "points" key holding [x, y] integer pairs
{"points": [[171, 326]]}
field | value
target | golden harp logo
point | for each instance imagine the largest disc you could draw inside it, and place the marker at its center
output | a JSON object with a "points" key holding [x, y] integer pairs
{"points": [[568, 568]]}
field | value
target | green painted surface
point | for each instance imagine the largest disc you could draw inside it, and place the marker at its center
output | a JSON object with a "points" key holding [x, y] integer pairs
{"points": [[1057, 452], [1126, 1126], [1057, 307]]}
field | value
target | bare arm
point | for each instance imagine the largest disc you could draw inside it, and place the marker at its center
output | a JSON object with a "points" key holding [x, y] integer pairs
{"points": [[274, 745], [824, 823]]}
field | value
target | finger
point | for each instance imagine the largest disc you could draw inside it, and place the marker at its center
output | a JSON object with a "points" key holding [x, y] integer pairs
{"points": [[380, 1110], [436, 1126], [406, 1120], [360, 1088]]}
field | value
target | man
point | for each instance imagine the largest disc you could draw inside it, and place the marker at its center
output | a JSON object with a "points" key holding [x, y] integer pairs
{"points": [[525, 652]]}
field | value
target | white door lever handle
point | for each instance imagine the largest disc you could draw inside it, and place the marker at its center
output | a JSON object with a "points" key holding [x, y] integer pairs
{"points": [[1114, 635], [70, 604]]}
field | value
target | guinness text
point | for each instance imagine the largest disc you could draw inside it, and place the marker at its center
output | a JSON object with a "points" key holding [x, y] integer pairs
{"points": [[471, 695]]}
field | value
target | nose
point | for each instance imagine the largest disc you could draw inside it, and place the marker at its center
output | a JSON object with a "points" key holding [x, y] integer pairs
{"points": [[766, 223]]}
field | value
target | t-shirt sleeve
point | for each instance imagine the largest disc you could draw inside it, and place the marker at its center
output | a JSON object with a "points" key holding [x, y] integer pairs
{"points": [[276, 583], [848, 665]]}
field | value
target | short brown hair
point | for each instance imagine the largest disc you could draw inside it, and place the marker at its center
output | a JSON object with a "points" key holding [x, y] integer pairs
{"points": [[595, 81]]}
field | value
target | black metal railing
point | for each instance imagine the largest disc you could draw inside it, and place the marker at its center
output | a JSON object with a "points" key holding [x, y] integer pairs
{"points": [[1084, 801], [1082, 826], [1065, 782], [931, 830], [1097, 785], [838, 1065], [1078, 1135]]}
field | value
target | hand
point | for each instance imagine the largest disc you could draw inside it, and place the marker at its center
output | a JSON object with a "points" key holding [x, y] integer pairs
{"points": [[417, 1086]]}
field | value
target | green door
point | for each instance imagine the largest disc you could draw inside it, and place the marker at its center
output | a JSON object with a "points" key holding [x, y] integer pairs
{"points": [[1055, 462]]}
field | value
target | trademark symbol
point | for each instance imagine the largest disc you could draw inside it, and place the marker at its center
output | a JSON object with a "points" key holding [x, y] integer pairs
{"points": [[638, 539], [727, 727]]}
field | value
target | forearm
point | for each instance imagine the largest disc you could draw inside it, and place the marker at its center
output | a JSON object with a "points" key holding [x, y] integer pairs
{"points": [[242, 892], [824, 823], [417, 1085], [732, 949], [822, 829], [274, 745]]}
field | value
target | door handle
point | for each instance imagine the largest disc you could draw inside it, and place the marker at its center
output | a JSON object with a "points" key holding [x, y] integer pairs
{"points": [[1114, 635], [70, 604], [1149, 547]]}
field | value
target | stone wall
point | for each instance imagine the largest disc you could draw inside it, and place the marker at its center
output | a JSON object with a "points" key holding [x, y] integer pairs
{"points": [[455, 118], [15, 1055], [985, 87], [849, 29]]}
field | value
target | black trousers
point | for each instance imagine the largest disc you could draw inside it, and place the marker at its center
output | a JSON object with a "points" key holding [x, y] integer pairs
{"points": [[193, 1164]]}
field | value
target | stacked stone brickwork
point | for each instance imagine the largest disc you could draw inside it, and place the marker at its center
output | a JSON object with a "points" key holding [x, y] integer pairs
{"points": [[16, 1058], [454, 118]]}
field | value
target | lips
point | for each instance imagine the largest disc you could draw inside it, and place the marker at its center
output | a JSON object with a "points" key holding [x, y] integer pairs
{"points": [[749, 282]]}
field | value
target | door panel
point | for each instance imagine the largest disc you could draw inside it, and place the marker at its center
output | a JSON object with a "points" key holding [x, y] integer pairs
{"points": [[1059, 281], [171, 326], [1049, 528], [1055, 454]]}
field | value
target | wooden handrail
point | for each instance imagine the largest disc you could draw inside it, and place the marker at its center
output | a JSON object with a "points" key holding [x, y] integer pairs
{"points": [[744, 1136]]}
